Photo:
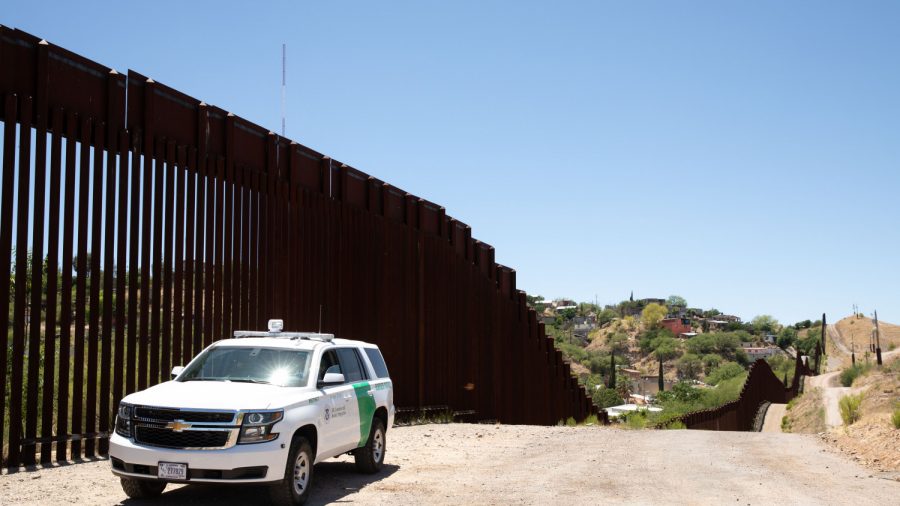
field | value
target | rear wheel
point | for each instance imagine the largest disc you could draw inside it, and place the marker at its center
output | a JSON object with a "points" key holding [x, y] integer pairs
{"points": [[298, 473], [370, 457], [142, 489]]}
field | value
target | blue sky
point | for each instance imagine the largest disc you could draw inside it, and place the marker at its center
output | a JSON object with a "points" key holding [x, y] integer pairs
{"points": [[744, 155]]}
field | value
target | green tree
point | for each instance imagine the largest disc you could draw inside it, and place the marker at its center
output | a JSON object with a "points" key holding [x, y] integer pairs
{"points": [[606, 316], [664, 348], [725, 371], [689, 366], [765, 323], [676, 301], [653, 314], [618, 342], [710, 362], [787, 337], [612, 371], [606, 397]]}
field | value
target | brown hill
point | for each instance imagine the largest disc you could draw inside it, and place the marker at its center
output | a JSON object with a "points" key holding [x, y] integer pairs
{"points": [[858, 331]]}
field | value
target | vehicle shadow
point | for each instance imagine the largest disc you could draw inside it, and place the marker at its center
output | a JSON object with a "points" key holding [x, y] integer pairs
{"points": [[333, 482]]}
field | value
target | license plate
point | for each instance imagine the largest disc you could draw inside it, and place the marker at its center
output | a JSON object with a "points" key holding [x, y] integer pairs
{"points": [[172, 471]]}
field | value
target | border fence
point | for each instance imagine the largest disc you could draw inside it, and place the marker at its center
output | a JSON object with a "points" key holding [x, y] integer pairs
{"points": [[761, 385], [143, 224]]}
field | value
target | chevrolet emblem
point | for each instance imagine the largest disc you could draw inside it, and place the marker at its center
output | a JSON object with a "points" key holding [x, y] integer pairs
{"points": [[178, 425]]}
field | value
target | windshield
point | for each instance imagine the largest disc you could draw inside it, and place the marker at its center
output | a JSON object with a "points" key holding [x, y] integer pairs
{"points": [[274, 366]]}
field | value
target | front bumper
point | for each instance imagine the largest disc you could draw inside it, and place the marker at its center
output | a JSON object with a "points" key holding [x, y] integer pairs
{"points": [[254, 463]]}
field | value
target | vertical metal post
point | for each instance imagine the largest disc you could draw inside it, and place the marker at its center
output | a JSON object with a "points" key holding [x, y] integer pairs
{"points": [[877, 341]]}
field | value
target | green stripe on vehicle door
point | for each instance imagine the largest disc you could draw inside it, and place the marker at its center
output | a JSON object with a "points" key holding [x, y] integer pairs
{"points": [[366, 403]]}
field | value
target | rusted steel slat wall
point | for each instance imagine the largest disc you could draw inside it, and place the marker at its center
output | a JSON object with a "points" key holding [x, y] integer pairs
{"points": [[145, 235], [761, 386]]}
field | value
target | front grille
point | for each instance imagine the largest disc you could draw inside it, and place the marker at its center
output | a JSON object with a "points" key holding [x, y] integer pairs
{"points": [[170, 415], [158, 436]]}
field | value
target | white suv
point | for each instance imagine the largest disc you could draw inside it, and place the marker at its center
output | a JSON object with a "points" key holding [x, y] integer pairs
{"points": [[261, 408]]}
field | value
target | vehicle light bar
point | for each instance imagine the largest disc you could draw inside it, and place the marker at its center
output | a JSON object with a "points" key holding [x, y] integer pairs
{"points": [[285, 335]]}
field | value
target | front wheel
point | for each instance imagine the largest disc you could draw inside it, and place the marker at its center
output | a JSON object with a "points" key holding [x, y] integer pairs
{"points": [[298, 473], [370, 457], [142, 489]]}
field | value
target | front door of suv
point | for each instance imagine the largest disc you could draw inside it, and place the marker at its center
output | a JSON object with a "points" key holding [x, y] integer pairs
{"points": [[338, 416]]}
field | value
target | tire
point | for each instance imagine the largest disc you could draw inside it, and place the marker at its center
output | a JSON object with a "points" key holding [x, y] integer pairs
{"points": [[370, 457], [142, 489], [300, 459]]}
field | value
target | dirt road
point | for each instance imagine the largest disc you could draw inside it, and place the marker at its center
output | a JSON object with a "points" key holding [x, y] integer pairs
{"points": [[832, 392], [487, 464], [774, 415]]}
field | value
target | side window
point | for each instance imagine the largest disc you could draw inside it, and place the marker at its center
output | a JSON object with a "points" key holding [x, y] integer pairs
{"points": [[377, 362], [329, 360], [350, 365]]}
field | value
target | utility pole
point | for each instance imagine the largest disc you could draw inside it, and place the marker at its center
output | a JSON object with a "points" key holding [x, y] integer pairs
{"points": [[824, 327], [877, 341]]}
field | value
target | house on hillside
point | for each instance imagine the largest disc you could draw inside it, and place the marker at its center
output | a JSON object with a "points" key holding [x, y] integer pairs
{"points": [[677, 326], [714, 325], [755, 352], [581, 326]]}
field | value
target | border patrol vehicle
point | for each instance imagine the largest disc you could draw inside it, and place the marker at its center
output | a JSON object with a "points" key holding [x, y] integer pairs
{"points": [[263, 407]]}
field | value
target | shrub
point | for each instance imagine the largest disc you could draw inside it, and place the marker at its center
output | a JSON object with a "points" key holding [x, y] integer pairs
{"points": [[711, 361], [675, 425], [725, 371], [689, 365], [635, 419], [570, 422], [606, 397], [895, 418], [591, 420], [785, 424], [849, 375], [849, 406]]}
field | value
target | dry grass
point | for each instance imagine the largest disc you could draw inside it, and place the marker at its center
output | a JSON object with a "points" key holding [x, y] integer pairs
{"points": [[806, 414], [873, 440], [859, 331]]}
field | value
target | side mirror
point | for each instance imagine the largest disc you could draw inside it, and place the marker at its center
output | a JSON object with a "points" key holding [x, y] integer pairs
{"points": [[176, 371], [331, 378]]}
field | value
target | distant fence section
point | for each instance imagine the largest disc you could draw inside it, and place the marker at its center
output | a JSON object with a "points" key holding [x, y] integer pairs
{"points": [[143, 224], [761, 385]]}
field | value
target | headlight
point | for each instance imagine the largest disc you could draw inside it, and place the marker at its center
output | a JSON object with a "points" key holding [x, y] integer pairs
{"points": [[257, 426], [125, 410], [123, 420]]}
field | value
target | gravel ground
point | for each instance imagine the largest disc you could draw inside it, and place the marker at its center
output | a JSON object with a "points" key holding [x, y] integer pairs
{"points": [[493, 464]]}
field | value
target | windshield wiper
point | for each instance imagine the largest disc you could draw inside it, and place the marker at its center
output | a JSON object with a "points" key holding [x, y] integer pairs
{"points": [[203, 379], [249, 380]]}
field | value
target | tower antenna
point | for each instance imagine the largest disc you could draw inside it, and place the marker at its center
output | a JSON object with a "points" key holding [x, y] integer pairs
{"points": [[283, 82]]}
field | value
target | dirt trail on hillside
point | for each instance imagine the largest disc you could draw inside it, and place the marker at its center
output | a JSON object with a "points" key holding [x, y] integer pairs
{"points": [[832, 392], [487, 464]]}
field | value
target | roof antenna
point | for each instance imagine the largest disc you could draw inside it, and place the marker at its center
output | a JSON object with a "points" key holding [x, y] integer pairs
{"points": [[320, 318], [283, 82]]}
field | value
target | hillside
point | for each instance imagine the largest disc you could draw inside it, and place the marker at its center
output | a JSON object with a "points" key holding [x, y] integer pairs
{"points": [[872, 439], [617, 351], [859, 331]]}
